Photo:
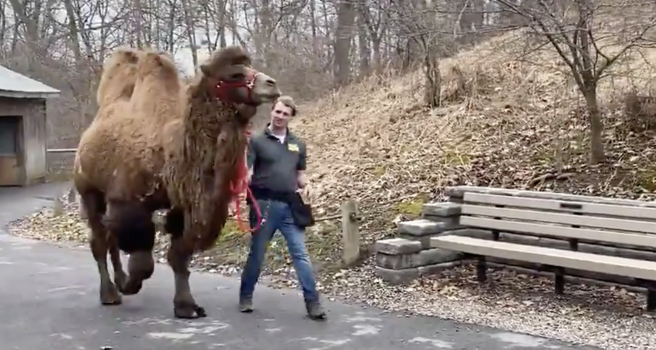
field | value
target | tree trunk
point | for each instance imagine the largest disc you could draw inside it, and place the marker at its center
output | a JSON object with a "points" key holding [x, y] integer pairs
{"points": [[597, 154], [432, 96], [363, 45], [190, 21], [343, 32]]}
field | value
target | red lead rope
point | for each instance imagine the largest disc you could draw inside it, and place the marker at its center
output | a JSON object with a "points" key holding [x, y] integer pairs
{"points": [[238, 186]]}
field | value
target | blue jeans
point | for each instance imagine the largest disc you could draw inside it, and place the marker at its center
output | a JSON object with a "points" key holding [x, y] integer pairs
{"points": [[278, 216]]}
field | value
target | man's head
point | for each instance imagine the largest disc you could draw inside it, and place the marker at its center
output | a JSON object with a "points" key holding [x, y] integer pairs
{"points": [[282, 111]]}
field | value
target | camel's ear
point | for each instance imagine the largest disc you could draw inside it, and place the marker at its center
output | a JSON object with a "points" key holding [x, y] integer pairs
{"points": [[206, 70]]}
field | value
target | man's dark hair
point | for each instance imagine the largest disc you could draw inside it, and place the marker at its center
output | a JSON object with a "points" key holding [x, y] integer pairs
{"points": [[288, 101]]}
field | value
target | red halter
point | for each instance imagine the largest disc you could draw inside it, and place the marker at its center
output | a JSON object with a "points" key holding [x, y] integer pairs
{"points": [[223, 87], [238, 186]]}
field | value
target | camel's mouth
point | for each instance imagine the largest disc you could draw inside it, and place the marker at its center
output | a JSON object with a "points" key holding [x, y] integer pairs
{"points": [[255, 89]]}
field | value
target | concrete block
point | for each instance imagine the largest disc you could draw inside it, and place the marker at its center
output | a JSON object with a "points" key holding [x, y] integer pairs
{"points": [[407, 275], [455, 191], [423, 258], [397, 276], [397, 246], [442, 209], [450, 222], [424, 241], [421, 227]]}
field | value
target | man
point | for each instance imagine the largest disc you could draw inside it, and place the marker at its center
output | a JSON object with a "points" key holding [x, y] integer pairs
{"points": [[276, 163]]}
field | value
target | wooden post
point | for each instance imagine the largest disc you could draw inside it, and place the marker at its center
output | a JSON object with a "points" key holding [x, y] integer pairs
{"points": [[350, 232], [71, 195], [80, 209], [58, 208]]}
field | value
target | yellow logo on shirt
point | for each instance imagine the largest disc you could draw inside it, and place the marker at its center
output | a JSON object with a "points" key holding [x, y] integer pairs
{"points": [[292, 147]]}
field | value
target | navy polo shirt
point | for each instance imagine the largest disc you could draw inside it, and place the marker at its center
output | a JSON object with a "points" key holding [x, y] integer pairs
{"points": [[276, 164]]}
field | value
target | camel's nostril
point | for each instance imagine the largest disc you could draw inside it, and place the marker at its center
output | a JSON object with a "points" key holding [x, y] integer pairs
{"points": [[270, 82]]}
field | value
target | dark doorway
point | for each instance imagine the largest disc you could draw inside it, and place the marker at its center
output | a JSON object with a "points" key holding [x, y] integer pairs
{"points": [[10, 151]]}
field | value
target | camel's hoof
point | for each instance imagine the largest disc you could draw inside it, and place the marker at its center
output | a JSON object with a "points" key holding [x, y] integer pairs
{"points": [[110, 296], [131, 288], [189, 311]]}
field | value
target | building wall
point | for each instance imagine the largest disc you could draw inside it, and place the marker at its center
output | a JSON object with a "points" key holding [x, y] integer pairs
{"points": [[33, 157]]}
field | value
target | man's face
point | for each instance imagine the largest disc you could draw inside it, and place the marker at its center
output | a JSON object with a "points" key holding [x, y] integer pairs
{"points": [[280, 115]]}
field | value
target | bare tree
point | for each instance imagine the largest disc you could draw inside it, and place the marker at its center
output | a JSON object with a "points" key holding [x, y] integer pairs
{"points": [[419, 21], [313, 46], [568, 26]]}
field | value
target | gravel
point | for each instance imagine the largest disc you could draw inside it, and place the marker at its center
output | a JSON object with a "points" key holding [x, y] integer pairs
{"points": [[604, 316]]}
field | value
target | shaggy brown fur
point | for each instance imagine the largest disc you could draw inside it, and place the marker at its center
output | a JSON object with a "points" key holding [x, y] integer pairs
{"points": [[118, 163], [171, 130], [114, 92], [202, 152], [126, 143]]}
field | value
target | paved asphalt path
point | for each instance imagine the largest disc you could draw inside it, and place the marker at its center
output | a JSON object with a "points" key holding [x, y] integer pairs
{"points": [[49, 300]]}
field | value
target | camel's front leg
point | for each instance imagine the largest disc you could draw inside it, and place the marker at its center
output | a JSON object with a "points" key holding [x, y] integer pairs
{"points": [[179, 256]]}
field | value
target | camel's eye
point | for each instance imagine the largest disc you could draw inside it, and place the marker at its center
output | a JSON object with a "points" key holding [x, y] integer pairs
{"points": [[238, 76]]}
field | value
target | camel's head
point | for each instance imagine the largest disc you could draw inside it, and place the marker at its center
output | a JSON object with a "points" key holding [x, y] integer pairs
{"points": [[230, 72]]}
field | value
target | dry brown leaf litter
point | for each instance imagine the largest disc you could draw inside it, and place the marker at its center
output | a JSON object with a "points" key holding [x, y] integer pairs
{"points": [[504, 124]]}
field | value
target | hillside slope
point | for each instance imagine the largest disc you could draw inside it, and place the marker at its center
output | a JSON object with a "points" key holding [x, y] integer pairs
{"points": [[504, 123]]}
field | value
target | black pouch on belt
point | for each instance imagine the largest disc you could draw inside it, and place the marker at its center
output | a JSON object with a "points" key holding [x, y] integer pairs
{"points": [[301, 212]]}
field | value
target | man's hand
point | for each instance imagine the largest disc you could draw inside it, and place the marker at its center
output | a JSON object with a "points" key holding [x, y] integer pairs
{"points": [[305, 193], [303, 186], [302, 179]]}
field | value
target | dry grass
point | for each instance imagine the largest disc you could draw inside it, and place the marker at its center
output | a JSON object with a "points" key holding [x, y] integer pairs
{"points": [[504, 123]]}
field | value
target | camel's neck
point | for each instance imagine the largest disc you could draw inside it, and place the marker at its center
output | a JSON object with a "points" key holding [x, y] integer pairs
{"points": [[205, 112], [211, 127]]}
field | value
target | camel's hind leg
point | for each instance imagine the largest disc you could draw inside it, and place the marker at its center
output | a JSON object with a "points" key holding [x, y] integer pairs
{"points": [[179, 256], [94, 206], [120, 277]]}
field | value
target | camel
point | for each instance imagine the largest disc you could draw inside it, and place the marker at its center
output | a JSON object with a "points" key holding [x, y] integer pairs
{"points": [[174, 146]]}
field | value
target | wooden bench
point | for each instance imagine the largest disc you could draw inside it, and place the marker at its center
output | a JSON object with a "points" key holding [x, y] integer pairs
{"points": [[575, 220]]}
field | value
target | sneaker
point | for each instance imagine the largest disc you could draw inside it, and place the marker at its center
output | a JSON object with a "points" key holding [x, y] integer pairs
{"points": [[246, 305], [315, 310]]}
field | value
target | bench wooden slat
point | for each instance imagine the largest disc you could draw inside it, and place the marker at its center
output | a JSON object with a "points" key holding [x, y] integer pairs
{"points": [[567, 206], [567, 219], [549, 256], [636, 239], [450, 190]]}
